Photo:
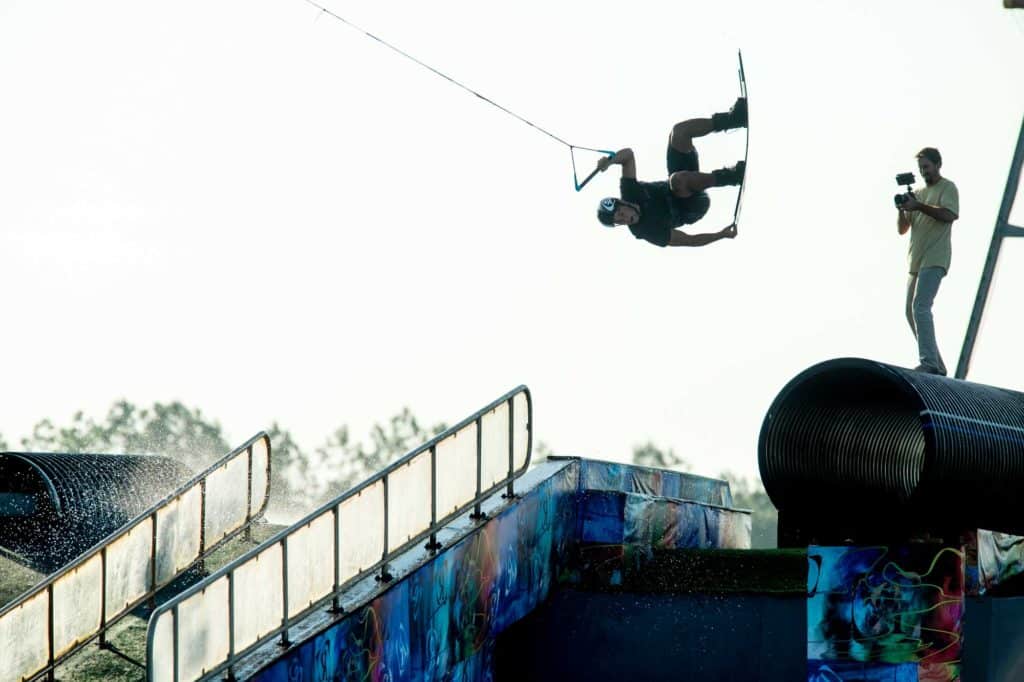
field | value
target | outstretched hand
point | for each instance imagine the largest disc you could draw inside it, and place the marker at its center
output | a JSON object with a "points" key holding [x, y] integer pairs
{"points": [[729, 232], [603, 164]]}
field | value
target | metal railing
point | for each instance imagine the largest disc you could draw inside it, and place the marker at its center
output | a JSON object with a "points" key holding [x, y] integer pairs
{"points": [[209, 627], [74, 606]]}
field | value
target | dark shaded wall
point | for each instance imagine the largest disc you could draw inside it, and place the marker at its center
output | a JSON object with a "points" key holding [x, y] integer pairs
{"points": [[592, 636], [994, 640], [623, 636]]}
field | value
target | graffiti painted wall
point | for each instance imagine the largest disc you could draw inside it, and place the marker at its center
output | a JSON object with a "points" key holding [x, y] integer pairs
{"points": [[620, 532], [442, 621], [885, 614], [1000, 558], [625, 478]]}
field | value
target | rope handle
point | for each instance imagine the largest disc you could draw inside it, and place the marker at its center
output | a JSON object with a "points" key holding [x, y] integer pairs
{"points": [[575, 178]]}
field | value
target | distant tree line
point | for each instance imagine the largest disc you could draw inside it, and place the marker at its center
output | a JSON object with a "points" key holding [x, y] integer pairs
{"points": [[299, 479], [302, 479]]}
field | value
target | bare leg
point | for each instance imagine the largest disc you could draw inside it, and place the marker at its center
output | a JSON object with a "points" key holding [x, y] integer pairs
{"points": [[686, 183], [683, 133]]}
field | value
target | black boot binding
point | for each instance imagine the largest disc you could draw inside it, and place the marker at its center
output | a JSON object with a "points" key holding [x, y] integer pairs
{"points": [[736, 117]]}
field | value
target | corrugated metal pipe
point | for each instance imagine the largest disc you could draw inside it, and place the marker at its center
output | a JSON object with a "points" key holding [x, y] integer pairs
{"points": [[867, 449], [53, 506]]}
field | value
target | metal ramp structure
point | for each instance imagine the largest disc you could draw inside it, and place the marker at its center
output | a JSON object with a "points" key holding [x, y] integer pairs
{"points": [[262, 596], [417, 572], [1003, 229], [461, 561], [76, 605]]}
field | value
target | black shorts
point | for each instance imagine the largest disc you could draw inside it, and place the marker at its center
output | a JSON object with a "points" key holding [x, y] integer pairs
{"points": [[678, 161], [691, 209]]}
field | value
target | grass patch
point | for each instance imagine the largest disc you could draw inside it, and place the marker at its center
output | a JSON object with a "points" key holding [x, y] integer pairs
{"points": [[716, 571], [15, 579]]}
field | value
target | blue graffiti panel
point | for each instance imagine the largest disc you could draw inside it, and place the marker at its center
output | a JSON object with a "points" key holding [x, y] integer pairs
{"points": [[602, 516], [880, 609], [832, 671], [440, 622]]}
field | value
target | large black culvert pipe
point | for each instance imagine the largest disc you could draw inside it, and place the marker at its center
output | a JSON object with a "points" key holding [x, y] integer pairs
{"points": [[53, 506], [859, 444]]}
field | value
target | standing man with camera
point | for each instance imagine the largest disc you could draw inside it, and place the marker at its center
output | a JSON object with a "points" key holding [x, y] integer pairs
{"points": [[928, 214]]}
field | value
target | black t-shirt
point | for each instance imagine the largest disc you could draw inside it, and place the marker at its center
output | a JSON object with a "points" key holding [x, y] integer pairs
{"points": [[660, 210]]}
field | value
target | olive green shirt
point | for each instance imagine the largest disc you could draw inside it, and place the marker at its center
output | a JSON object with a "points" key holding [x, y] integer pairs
{"points": [[929, 238]]}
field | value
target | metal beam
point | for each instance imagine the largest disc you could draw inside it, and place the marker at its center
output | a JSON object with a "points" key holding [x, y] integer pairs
{"points": [[1002, 229]]}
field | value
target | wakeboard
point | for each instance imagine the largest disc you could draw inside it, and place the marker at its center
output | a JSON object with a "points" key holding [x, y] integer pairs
{"points": [[746, 144]]}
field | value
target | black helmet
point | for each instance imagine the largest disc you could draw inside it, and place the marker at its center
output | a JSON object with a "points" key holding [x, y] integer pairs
{"points": [[606, 211]]}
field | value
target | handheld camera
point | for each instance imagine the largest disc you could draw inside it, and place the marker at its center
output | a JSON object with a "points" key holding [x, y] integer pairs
{"points": [[904, 179]]}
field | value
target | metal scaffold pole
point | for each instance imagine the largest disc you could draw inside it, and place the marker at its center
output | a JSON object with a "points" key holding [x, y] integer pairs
{"points": [[1002, 230]]}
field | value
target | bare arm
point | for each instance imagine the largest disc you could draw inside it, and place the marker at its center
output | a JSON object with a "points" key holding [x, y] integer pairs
{"points": [[623, 157], [940, 213], [902, 222], [680, 238]]}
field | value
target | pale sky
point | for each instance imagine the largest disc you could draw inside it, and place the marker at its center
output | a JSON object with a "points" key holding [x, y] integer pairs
{"points": [[262, 213]]}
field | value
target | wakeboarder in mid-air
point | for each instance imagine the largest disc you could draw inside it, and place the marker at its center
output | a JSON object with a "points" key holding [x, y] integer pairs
{"points": [[654, 210]]}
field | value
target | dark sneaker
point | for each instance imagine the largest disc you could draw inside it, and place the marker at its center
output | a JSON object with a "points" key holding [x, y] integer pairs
{"points": [[736, 117], [738, 113], [730, 176]]}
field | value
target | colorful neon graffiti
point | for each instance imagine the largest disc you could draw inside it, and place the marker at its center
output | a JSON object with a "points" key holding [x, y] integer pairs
{"points": [[441, 622], [884, 613]]}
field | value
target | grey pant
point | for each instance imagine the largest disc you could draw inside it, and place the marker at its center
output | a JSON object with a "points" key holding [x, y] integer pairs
{"points": [[921, 290]]}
